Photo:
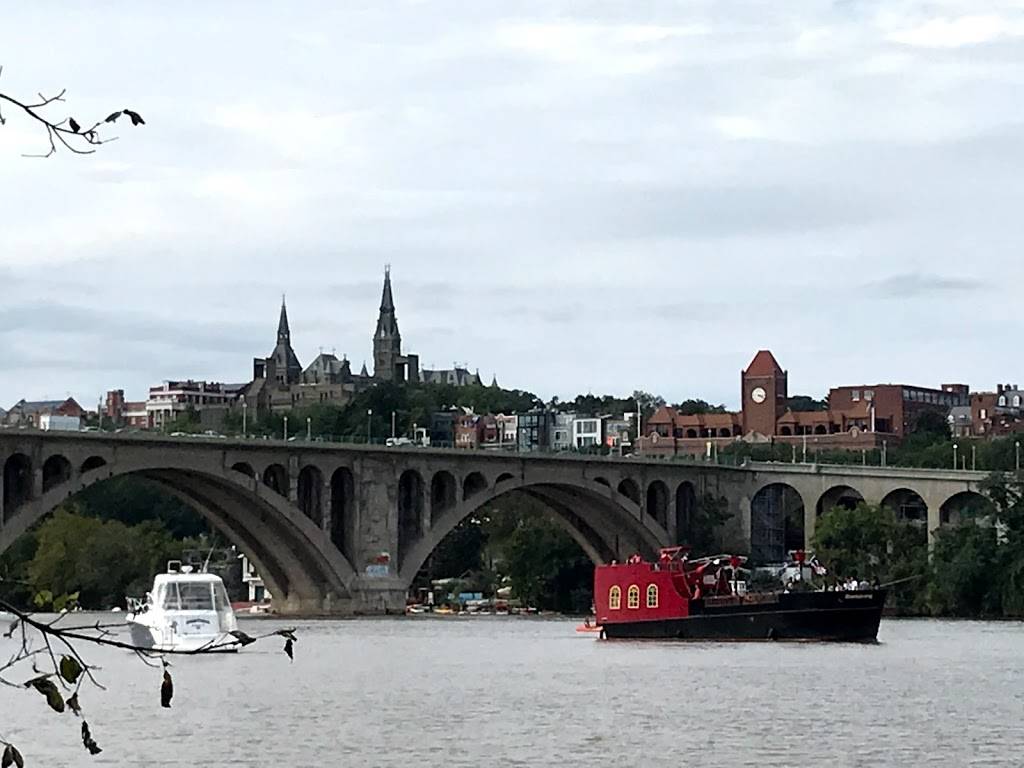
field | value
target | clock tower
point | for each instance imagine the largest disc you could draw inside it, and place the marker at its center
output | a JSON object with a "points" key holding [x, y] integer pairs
{"points": [[764, 392]]}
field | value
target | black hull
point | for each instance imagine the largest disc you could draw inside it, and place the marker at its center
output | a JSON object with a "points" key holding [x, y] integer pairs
{"points": [[832, 616]]}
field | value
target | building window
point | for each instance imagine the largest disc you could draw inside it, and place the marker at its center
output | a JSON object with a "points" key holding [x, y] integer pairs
{"points": [[1016, 401], [652, 595], [983, 413], [869, 394], [1002, 400], [614, 598], [855, 395], [633, 596]]}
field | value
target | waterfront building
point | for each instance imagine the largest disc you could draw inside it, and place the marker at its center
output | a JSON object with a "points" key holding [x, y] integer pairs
{"points": [[856, 417], [533, 431]]}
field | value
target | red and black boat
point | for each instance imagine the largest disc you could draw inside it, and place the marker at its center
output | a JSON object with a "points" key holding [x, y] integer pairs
{"points": [[707, 599]]}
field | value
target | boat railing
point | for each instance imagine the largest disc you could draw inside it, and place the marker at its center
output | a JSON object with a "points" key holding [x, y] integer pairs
{"points": [[137, 604]]}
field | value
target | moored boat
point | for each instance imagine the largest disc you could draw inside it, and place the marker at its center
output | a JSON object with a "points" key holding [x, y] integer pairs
{"points": [[707, 599], [184, 611]]}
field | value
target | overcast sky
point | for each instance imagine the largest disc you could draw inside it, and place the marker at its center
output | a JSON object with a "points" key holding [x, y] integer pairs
{"points": [[575, 196]]}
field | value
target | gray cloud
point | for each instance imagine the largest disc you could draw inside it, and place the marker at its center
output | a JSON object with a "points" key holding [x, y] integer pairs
{"points": [[914, 285], [576, 196]]}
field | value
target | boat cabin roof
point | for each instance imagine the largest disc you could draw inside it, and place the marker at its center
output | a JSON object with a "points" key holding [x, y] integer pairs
{"points": [[200, 578]]}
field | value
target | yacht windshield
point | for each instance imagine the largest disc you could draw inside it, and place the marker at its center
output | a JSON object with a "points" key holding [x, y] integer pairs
{"points": [[188, 596]]}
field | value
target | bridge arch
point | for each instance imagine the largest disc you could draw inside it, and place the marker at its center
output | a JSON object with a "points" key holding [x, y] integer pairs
{"points": [[295, 558], [410, 511], [628, 488], [907, 504], [776, 522], [91, 463], [686, 506], [592, 513], [657, 502], [443, 493], [342, 530], [959, 506], [842, 496], [474, 483], [17, 482], [275, 477], [310, 497], [56, 470], [245, 468]]}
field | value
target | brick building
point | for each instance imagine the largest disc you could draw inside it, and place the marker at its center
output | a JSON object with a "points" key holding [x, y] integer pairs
{"points": [[27, 412], [856, 417]]}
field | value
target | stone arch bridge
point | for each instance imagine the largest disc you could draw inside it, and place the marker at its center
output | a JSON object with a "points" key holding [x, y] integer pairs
{"points": [[346, 529]]}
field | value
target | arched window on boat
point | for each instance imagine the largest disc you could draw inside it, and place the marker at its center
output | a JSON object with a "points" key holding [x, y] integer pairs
{"points": [[614, 598], [633, 596], [652, 595]]}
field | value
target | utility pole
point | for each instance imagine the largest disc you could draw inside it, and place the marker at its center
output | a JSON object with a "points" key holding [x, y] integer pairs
{"points": [[286, 429], [309, 429], [245, 425], [974, 456], [1016, 446], [369, 424], [955, 446], [392, 424]]}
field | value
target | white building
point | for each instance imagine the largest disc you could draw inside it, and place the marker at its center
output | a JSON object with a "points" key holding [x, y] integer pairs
{"points": [[254, 582], [587, 431], [175, 398], [508, 426]]}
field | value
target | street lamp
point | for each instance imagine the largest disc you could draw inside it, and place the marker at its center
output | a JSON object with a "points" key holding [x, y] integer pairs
{"points": [[392, 424], [1016, 447], [974, 457], [309, 429], [369, 424], [955, 446], [245, 421], [286, 429]]}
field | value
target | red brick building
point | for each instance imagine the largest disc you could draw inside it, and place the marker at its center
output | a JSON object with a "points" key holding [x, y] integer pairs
{"points": [[857, 416]]}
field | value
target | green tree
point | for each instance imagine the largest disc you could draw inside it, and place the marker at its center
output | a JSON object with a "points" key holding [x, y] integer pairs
{"points": [[869, 542], [691, 407]]}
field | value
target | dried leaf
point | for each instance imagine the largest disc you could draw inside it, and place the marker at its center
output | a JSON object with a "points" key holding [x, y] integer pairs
{"points": [[166, 690], [47, 687], [73, 704], [88, 741], [135, 116], [288, 649], [70, 669], [74, 125], [12, 628], [112, 116], [289, 633], [12, 757]]}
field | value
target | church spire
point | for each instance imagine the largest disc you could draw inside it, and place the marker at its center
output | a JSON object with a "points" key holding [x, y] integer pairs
{"points": [[387, 301], [283, 333]]}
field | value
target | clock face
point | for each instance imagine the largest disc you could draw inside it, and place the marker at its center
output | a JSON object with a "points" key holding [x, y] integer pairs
{"points": [[758, 394]]}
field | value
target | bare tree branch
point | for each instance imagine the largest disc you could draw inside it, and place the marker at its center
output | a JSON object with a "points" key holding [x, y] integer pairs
{"points": [[67, 132]]}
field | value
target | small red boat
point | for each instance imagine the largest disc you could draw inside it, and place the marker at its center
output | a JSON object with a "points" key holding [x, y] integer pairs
{"points": [[706, 599]]}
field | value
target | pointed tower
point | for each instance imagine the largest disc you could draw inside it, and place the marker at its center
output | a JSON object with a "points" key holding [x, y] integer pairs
{"points": [[387, 341], [494, 381], [282, 365]]}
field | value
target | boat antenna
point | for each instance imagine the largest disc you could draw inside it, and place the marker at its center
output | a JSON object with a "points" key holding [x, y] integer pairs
{"points": [[209, 554]]}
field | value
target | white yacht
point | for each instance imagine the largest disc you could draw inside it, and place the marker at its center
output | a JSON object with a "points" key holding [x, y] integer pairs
{"points": [[184, 611]]}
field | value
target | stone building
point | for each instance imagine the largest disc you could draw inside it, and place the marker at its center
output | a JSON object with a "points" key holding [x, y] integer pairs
{"points": [[27, 412]]}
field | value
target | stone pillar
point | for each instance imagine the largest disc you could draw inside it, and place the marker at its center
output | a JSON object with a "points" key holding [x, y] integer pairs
{"points": [[810, 517], [934, 503], [37, 481], [293, 479], [326, 507]]}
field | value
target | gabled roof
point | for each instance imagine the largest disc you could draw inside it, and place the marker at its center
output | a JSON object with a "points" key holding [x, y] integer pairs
{"points": [[764, 364]]}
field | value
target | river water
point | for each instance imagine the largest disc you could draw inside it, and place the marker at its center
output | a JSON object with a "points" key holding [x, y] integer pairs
{"points": [[529, 692]]}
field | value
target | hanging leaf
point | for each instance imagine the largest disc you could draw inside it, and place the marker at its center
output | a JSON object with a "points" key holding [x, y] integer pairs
{"points": [[112, 116], [12, 628], [12, 757], [166, 690], [289, 633], [74, 125], [70, 669], [288, 649], [46, 686], [73, 704], [88, 741]]}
